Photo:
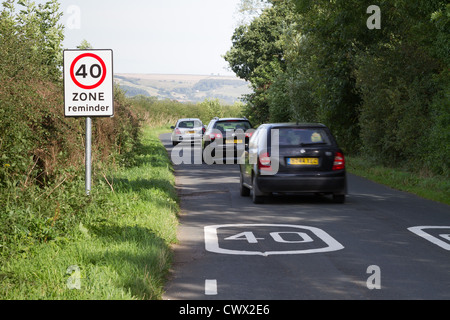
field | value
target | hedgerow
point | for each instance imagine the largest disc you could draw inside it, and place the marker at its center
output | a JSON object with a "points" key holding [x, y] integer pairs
{"points": [[41, 151]]}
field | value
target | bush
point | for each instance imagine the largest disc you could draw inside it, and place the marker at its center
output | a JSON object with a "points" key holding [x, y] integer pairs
{"points": [[436, 140], [41, 151]]}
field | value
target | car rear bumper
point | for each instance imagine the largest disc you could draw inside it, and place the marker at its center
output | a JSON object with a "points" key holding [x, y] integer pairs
{"points": [[181, 138], [227, 150], [290, 183]]}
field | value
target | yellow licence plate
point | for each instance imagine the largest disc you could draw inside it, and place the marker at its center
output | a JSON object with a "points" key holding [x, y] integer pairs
{"points": [[191, 132], [233, 141], [303, 161]]}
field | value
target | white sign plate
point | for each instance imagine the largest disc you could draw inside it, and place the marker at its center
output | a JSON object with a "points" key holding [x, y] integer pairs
{"points": [[88, 83]]}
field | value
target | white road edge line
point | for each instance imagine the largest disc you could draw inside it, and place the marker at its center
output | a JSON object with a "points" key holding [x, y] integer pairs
{"points": [[211, 287]]}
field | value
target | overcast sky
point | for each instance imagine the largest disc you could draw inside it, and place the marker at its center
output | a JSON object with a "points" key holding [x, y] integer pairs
{"points": [[155, 36]]}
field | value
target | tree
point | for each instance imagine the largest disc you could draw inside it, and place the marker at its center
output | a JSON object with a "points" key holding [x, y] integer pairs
{"points": [[401, 76], [30, 73], [257, 55], [383, 91], [250, 9], [84, 45], [41, 25]]}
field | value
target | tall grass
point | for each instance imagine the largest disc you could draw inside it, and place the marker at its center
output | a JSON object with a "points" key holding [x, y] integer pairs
{"points": [[424, 184], [116, 242]]}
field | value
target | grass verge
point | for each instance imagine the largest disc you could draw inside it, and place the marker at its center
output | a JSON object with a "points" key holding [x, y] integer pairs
{"points": [[118, 246], [436, 188]]}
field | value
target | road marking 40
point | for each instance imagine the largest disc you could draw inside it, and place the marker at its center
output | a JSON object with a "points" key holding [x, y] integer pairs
{"points": [[298, 233]]}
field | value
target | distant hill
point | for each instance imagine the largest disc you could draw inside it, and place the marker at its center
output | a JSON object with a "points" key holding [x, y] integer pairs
{"points": [[184, 88]]}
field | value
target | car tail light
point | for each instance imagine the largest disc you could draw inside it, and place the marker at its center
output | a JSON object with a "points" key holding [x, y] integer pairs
{"points": [[214, 136], [264, 161], [249, 135], [339, 161], [177, 131]]}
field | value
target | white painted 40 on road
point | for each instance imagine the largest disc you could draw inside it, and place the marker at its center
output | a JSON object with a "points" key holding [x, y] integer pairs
{"points": [[279, 239]]}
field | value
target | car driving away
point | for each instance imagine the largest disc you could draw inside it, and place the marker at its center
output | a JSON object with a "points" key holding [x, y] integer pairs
{"points": [[190, 130], [224, 139], [293, 158]]}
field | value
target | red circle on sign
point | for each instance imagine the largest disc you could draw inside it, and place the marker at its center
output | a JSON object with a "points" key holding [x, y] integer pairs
{"points": [[72, 67]]}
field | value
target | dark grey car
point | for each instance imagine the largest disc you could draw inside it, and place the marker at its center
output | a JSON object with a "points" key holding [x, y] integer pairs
{"points": [[293, 158], [225, 138]]}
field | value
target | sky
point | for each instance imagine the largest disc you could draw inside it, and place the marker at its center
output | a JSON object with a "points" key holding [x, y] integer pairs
{"points": [[155, 36]]}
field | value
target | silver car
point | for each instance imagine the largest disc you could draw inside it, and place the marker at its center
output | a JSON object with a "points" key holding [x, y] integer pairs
{"points": [[189, 129]]}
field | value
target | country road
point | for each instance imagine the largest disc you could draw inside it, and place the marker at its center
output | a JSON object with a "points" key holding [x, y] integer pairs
{"points": [[380, 244]]}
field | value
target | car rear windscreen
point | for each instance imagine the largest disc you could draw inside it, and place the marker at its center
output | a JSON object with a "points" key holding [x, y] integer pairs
{"points": [[189, 124], [302, 136], [232, 125]]}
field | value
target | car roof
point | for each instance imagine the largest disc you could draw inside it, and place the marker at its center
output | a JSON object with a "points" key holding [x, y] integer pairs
{"points": [[227, 119], [295, 125], [189, 119]]}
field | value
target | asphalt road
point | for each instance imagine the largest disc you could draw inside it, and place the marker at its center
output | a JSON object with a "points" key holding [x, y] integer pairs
{"points": [[305, 247]]}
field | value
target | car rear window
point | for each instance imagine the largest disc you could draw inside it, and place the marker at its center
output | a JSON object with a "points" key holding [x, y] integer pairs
{"points": [[232, 125], [303, 136], [189, 124]]}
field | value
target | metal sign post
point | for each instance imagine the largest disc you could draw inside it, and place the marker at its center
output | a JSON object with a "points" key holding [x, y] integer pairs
{"points": [[88, 155], [88, 92]]}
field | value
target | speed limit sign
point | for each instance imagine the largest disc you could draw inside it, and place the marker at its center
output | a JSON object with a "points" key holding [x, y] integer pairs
{"points": [[88, 83]]}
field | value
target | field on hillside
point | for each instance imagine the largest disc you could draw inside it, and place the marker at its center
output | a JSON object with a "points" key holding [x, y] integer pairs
{"points": [[184, 88]]}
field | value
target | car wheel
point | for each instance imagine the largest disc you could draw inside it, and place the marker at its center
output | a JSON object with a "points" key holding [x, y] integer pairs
{"points": [[174, 143], [245, 192], [339, 198], [256, 197]]}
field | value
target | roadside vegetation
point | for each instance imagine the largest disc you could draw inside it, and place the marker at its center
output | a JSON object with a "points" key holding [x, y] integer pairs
{"points": [[114, 244], [117, 240], [384, 92], [424, 184]]}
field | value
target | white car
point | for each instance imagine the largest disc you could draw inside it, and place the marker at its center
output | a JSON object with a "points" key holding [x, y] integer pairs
{"points": [[189, 129]]}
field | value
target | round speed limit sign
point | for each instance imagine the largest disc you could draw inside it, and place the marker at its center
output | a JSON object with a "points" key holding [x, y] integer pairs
{"points": [[88, 71]]}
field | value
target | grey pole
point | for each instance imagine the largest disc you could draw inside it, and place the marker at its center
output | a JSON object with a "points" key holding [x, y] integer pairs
{"points": [[88, 154]]}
